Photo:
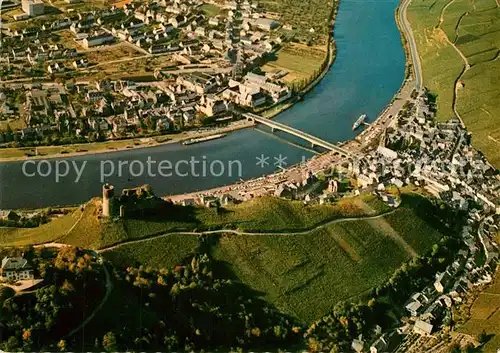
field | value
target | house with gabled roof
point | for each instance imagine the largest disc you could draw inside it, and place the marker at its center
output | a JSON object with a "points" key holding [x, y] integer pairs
{"points": [[16, 268]]}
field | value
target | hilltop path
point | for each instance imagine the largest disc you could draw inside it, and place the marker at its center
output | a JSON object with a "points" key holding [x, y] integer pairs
{"points": [[396, 237]]}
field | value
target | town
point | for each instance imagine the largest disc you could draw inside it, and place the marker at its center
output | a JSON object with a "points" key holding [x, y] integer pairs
{"points": [[197, 71], [382, 243], [415, 151]]}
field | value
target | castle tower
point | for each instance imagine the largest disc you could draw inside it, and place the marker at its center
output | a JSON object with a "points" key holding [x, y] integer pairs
{"points": [[108, 194]]}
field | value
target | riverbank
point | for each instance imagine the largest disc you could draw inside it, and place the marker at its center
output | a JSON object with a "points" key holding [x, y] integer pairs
{"points": [[361, 80], [85, 149], [411, 81], [365, 139]]}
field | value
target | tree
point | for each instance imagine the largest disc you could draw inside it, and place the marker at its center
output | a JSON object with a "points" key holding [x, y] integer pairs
{"points": [[482, 337], [12, 344], [109, 342], [61, 346], [6, 293], [470, 348]]}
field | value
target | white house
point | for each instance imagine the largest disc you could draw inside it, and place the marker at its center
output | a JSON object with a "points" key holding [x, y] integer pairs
{"points": [[96, 40], [16, 268], [213, 21], [422, 328]]}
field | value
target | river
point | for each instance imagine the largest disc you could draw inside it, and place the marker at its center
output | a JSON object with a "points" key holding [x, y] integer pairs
{"points": [[367, 72]]}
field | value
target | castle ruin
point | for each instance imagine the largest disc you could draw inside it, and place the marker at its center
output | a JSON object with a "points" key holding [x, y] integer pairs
{"points": [[138, 201], [108, 198]]}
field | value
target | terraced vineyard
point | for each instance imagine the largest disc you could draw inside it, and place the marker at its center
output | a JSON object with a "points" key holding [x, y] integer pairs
{"points": [[306, 275], [303, 274], [485, 315], [459, 45], [303, 259], [85, 229]]}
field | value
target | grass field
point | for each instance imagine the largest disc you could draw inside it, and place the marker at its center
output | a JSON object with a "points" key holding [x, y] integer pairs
{"points": [[485, 315], [473, 27], [175, 249], [304, 275], [83, 5], [131, 66], [210, 10], [303, 16], [300, 61], [15, 124], [51, 231]]}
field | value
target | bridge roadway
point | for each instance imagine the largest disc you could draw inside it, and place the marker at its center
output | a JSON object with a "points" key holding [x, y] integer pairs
{"points": [[315, 141]]}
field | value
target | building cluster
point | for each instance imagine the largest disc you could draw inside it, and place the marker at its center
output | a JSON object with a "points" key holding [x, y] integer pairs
{"points": [[30, 8], [256, 90], [438, 157], [115, 109], [214, 58], [154, 27]]}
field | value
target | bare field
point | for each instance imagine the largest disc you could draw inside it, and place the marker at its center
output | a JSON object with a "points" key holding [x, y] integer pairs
{"points": [[15, 124], [111, 53], [82, 5]]}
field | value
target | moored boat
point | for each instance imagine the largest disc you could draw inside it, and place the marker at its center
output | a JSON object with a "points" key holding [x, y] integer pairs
{"points": [[202, 139], [358, 122]]}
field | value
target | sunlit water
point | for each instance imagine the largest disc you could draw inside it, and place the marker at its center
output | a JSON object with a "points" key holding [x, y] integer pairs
{"points": [[367, 72]]}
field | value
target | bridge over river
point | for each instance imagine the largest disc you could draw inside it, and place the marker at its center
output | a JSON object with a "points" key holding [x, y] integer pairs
{"points": [[315, 141]]}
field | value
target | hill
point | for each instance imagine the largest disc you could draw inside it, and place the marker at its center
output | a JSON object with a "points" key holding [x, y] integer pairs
{"points": [[85, 229], [459, 46], [304, 274], [48, 232]]}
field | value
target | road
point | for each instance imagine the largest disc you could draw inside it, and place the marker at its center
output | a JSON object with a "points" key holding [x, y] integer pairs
{"points": [[109, 288], [417, 67]]}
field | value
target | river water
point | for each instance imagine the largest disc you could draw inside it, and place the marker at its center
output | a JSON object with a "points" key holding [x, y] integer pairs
{"points": [[367, 72]]}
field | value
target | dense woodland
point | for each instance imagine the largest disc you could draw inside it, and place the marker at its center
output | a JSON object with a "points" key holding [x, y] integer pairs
{"points": [[188, 308], [39, 319]]}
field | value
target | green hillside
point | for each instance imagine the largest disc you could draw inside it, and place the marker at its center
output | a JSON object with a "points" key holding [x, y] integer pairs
{"points": [[51, 231], [267, 214], [446, 29], [165, 252], [304, 274]]}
